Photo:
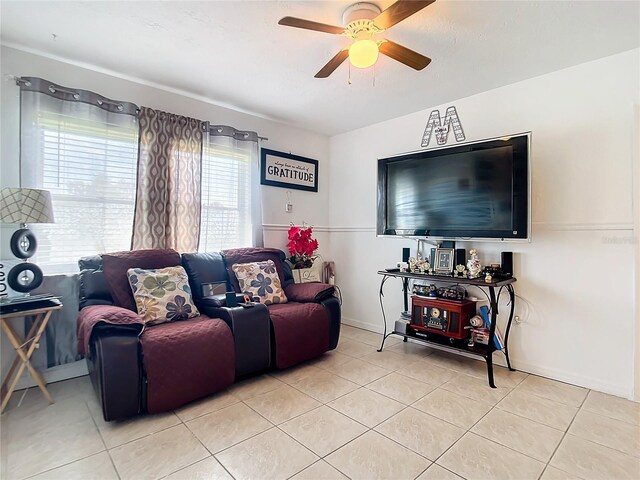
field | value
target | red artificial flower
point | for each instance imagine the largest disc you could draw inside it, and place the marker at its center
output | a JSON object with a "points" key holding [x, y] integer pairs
{"points": [[293, 231], [301, 245]]}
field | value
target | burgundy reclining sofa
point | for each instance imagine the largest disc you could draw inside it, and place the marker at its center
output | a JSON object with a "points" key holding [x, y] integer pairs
{"points": [[136, 368]]}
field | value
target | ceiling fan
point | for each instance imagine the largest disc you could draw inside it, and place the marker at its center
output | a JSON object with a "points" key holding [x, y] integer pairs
{"points": [[363, 21]]}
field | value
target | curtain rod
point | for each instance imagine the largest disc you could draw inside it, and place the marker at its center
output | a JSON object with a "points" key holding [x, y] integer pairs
{"points": [[39, 85], [227, 131]]}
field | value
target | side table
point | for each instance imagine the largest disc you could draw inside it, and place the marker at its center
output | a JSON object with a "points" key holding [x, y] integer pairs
{"points": [[24, 349]]}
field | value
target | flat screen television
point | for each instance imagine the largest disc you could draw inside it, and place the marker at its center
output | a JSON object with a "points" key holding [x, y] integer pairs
{"points": [[471, 191]]}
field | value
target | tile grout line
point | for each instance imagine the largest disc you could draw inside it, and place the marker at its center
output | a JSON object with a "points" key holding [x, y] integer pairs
{"points": [[81, 458], [244, 439], [103, 440], [527, 418], [278, 427], [206, 413], [462, 436], [203, 445], [334, 399], [198, 440], [69, 463], [511, 389], [592, 441], [566, 432], [143, 436], [368, 429]]}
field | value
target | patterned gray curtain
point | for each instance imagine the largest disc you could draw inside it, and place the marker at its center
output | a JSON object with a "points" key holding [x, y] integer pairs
{"points": [[167, 213]]}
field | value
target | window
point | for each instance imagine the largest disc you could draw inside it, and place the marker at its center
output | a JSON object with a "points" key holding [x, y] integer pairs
{"points": [[86, 157], [226, 196], [83, 148]]}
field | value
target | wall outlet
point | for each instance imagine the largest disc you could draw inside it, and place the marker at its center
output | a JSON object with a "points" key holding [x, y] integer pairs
{"points": [[288, 207]]}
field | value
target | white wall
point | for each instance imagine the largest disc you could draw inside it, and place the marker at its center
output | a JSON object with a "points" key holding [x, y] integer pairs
{"points": [[309, 207], [577, 274]]}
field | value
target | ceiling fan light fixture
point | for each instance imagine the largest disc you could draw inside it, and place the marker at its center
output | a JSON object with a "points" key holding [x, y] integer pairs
{"points": [[363, 21], [363, 53]]}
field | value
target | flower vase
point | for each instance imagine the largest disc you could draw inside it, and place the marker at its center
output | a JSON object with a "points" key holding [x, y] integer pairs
{"points": [[305, 275]]}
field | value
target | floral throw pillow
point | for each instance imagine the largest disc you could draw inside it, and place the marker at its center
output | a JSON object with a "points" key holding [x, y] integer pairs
{"points": [[162, 295], [260, 279]]}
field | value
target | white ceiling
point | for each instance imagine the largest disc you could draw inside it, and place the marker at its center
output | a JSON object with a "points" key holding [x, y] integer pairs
{"points": [[234, 53]]}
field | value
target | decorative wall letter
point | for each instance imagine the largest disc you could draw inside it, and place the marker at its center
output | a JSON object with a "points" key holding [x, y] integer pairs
{"points": [[441, 128]]}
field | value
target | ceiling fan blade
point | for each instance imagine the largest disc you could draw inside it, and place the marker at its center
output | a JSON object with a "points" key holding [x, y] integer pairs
{"points": [[404, 55], [334, 63], [399, 11], [309, 25]]}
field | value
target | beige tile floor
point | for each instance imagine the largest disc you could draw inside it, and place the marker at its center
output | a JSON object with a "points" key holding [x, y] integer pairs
{"points": [[409, 412]]}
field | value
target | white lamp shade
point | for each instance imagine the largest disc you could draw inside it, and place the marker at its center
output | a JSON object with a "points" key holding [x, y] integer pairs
{"points": [[25, 205]]}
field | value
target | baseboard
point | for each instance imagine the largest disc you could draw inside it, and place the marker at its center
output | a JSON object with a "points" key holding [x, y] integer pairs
{"points": [[55, 374], [574, 379], [542, 371], [363, 325]]}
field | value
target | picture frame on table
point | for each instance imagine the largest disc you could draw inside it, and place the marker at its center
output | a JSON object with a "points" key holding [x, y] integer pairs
{"points": [[444, 261], [214, 288]]}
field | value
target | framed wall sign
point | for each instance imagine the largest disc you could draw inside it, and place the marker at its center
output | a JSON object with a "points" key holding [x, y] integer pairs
{"points": [[279, 169]]}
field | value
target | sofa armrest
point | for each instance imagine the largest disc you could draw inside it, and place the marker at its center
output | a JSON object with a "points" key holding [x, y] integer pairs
{"points": [[106, 318], [115, 370], [108, 338], [251, 328], [309, 292], [332, 306]]}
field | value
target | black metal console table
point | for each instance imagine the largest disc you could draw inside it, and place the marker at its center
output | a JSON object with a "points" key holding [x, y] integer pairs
{"points": [[442, 343]]}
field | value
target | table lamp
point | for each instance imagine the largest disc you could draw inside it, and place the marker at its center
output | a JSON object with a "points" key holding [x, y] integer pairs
{"points": [[24, 206]]}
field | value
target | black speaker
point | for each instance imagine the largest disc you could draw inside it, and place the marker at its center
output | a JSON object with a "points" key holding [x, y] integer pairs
{"points": [[231, 298], [506, 263], [25, 277], [432, 257], [461, 256], [406, 253]]}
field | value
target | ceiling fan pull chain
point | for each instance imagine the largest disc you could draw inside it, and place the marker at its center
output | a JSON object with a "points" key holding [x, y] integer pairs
{"points": [[349, 79]]}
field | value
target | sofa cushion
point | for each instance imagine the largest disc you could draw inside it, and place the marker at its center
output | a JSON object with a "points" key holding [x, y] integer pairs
{"points": [[260, 279], [186, 360], [94, 289], [301, 332], [204, 268], [250, 255], [162, 294], [115, 266]]}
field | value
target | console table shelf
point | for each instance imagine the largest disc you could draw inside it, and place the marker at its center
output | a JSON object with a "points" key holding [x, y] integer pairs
{"points": [[443, 343]]}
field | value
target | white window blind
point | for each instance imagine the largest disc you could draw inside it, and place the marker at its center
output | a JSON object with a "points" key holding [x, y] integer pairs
{"points": [[226, 198], [87, 158]]}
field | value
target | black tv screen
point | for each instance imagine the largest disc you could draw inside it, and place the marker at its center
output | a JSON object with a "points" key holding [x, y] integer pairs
{"points": [[478, 190]]}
